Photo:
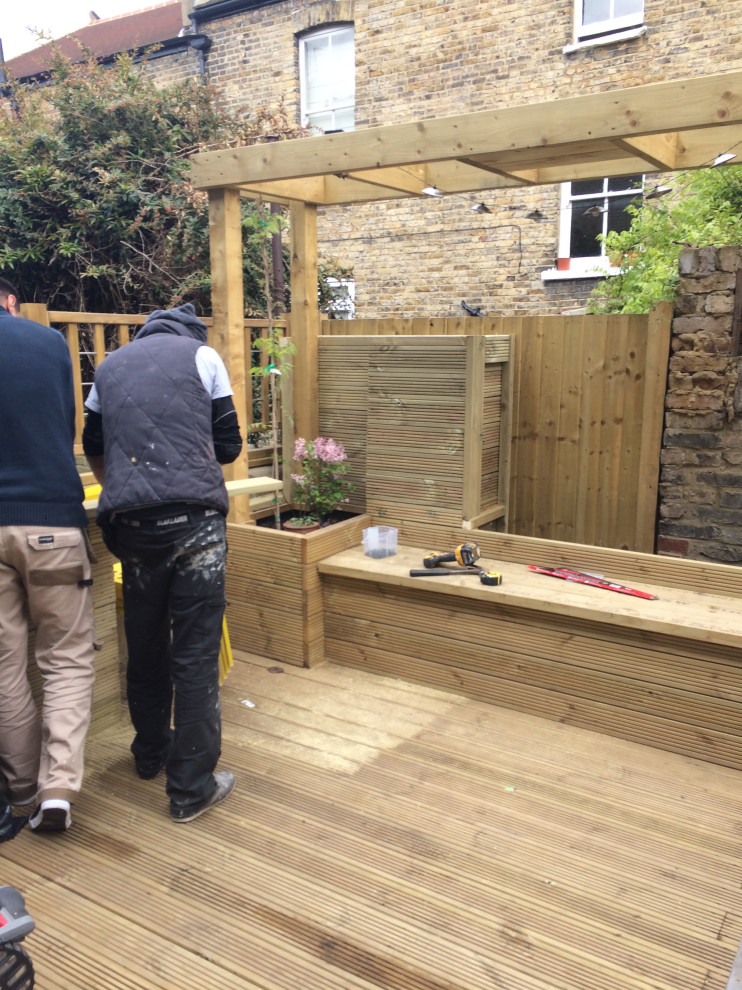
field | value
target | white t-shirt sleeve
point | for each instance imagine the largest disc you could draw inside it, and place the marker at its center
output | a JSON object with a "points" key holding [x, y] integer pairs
{"points": [[92, 402], [213, 373], [211, 370]]}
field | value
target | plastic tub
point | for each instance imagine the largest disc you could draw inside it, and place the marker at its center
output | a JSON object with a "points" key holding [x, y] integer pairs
{"points": [[380, 541]]}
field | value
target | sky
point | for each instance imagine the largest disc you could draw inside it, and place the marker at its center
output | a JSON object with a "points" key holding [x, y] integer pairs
{"points": [[57, 17]]}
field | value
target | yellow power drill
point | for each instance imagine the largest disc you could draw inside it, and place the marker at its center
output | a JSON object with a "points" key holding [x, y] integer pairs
{"points": [[465, 554]]}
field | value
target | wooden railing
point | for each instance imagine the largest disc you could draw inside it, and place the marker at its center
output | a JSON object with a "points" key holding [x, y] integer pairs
{"points": [[91, 336]]}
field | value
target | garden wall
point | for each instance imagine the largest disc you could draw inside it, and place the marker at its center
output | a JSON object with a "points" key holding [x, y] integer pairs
{"points": [[701, 478]]}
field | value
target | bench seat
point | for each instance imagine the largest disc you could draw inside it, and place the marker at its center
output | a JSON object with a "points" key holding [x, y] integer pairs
{"points": [[664, 672]]}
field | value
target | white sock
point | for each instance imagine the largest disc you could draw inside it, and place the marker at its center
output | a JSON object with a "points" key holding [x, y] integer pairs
{"points": [[55, 803]]}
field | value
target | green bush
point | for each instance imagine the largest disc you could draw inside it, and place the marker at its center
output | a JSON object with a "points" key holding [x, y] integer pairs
{"points": [[704, 209], [96, 209]]}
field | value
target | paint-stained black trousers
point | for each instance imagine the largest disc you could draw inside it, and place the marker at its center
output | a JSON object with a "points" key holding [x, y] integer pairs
{"points": [[173, 570]]}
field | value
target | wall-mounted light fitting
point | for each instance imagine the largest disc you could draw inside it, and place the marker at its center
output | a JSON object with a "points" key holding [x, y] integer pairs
{"points": [[657, 192], [432, 191], [480, 208], [722, 159], [594, 211], [536, 215]]}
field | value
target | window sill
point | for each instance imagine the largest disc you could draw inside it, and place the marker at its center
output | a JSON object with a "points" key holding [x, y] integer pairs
{"points": [[558, 274], [605, 39]]}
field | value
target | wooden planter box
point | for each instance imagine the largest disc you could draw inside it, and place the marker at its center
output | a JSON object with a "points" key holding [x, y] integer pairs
{"points": [[274, 596]]}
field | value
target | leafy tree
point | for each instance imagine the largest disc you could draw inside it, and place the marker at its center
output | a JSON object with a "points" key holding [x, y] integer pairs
{"points": [[96, 210], [704, 209]]}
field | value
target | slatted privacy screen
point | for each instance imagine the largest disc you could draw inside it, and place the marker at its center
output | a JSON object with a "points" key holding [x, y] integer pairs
{"points": [[422, 421], [343, 404], [587, 417]]}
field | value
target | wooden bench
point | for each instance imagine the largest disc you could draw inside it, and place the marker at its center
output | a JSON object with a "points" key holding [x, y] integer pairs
{"points": [[664, 672]]}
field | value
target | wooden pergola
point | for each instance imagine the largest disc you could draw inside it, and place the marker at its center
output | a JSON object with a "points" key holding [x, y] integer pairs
{"points": [[659, 127]]}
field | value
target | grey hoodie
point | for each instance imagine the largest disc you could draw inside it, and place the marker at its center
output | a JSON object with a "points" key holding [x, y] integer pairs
{"points": [[181, 320]]}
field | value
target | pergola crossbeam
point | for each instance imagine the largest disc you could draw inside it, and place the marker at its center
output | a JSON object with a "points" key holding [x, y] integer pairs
{"points": [[653, 126], [411, 180], [518, 178], [659, 150]]}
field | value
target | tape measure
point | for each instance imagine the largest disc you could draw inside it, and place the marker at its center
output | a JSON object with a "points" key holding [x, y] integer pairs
{"points": [[491, 577]]}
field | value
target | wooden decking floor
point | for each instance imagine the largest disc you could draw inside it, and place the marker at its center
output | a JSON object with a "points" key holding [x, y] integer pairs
{"points": [[385, 836]]}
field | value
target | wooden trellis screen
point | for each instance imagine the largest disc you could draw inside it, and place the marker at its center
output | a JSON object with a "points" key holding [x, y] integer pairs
{"points": [[423, 420], [587, 415]]}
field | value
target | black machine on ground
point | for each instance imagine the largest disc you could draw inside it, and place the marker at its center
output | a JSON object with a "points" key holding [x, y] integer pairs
{"points": [[16, 968]]}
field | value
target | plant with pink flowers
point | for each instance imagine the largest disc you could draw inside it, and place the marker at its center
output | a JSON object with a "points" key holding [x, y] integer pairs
{"points": [[322, 485]]}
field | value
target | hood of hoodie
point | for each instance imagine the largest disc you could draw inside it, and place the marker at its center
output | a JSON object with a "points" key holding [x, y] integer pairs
{"points": [[181, 320]]}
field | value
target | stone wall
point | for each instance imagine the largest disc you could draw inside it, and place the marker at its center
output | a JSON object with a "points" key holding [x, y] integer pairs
{"points": [[426, 58], [701, 475]]}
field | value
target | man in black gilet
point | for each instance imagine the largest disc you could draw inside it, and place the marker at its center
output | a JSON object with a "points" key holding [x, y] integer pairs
{"points": [[160, 422]]}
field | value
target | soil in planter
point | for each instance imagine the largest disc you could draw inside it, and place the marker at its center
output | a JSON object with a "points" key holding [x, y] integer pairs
{"points": [[334, 517]]}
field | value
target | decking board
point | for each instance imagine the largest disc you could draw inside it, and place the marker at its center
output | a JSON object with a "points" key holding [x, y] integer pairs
{"points": [[389, 836]]}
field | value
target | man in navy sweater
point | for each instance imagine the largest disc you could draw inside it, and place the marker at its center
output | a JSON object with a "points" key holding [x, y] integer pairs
{"points": [[44, 572]]}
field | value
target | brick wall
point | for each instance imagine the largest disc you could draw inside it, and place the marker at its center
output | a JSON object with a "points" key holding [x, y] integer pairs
{"points": [[426, 58], [701, 475], [171, 69]]}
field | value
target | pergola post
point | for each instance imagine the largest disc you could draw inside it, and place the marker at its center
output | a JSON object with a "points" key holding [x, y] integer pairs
{"points": [[304, 318], [227, 335]]}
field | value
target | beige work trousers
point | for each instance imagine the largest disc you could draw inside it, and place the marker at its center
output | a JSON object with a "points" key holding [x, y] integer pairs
{"points": [[42, 575]]}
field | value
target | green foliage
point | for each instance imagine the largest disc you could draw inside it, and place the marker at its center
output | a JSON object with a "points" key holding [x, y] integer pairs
{"points": [[259, 226], [96, 210], [704, 210]]}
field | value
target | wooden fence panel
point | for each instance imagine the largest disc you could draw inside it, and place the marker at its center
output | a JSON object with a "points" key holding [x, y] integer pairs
{"points": [[587, 418]]}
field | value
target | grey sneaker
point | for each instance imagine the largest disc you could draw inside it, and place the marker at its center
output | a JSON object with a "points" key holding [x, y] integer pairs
{"points": [[224, 786]]}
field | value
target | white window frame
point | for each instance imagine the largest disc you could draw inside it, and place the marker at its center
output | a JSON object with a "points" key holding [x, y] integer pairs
{"points": [[609, 26], [606, 32], [593, 266], [311, 36]]}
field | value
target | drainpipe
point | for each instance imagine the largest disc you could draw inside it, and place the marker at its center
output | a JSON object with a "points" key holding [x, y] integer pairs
{"points": [[279, 283], [201, 42]]}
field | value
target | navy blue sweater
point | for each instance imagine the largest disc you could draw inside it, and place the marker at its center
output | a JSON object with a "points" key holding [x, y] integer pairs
{"points": [[39, 481]]}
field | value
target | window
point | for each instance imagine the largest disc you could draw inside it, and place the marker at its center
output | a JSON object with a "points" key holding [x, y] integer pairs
{"points": [[327, 69], [590, 208], [594, 18]]}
